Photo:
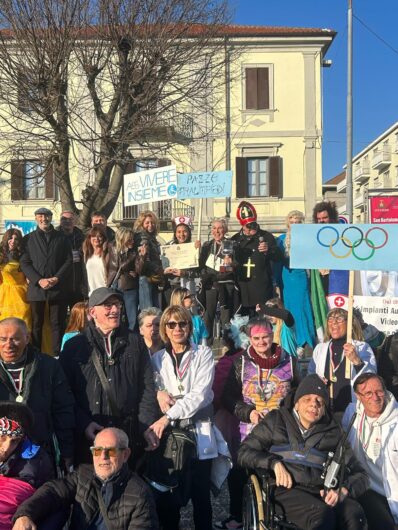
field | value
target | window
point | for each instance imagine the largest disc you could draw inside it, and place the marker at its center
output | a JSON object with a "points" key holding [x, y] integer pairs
{"points": [[259, 177], [257, 88], [31, 179]]}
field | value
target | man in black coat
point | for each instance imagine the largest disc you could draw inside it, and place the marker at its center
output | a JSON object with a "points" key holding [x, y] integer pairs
{"points": [[293, 442], [108, 496], [46, 262], [37, 380], [107, 350], [77, 281], [255, 250]]}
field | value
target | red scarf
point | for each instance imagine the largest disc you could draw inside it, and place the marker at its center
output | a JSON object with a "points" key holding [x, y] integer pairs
{"points": [[269, 362]]}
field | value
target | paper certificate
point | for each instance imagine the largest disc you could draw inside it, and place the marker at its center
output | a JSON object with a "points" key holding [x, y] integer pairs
{"points": [[184, 256]]}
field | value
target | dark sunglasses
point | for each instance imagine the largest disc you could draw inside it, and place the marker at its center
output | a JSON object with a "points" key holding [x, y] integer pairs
{"points": [[109, 451], [172, 325]]}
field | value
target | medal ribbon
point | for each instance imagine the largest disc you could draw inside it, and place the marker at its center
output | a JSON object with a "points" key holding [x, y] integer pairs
{"points": [[333, 368], [18, 390], [181, 373]]}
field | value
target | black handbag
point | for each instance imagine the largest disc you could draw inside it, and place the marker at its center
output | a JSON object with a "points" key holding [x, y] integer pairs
{"points": [[170, 465]]}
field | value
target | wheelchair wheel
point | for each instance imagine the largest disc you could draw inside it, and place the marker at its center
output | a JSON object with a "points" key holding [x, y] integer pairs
{"points": [[253, 506]]}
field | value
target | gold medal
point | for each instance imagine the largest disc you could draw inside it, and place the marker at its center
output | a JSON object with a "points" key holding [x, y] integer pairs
{"points": [[19, 398], [333, 379]]}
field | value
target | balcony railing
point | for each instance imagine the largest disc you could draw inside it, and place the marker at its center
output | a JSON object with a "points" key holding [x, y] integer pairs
{"points": [[362, 172], [164, 210], [382, 158]]}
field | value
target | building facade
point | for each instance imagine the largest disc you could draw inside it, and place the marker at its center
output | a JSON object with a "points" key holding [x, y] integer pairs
{"points": [[267, 129]]}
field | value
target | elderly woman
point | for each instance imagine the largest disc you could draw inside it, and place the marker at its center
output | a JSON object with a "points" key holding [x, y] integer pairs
{"points": [[146, 228], [218, 283], [340, 362], [292, 443], [294, 286], [149, 323], [184, 373], [257, 382], [99, 258]]}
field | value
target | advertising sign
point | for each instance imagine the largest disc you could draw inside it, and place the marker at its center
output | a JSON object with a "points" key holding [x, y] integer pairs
{"points": [[383, 209]]}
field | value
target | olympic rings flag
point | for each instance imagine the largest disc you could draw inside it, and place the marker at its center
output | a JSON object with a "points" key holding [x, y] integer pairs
{"points": [[344, 247]]}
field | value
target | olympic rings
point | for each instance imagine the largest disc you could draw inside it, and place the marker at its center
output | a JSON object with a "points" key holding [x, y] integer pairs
{"points": [[350, 249], [372, 251], [352, 228], [381, 230], [352, 245], [326, 228]]}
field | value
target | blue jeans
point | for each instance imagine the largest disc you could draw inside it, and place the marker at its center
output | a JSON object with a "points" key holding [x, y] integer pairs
{"points": [[131, 304], [145, 293]]}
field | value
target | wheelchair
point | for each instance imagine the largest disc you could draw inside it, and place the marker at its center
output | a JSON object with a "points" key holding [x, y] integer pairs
{"points": [[258, 504]]}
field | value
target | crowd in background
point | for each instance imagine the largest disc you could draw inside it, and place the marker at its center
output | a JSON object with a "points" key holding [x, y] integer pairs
{"points": [[129, 375]]}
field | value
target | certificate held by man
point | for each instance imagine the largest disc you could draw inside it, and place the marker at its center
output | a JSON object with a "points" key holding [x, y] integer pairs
{"points": [[184, 256]]}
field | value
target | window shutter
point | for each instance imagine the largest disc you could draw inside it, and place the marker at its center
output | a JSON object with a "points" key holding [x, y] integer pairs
{"points": [[17, 174], [251, 88], [241, 177], [262, 88], [275, 177], [49, 181]]}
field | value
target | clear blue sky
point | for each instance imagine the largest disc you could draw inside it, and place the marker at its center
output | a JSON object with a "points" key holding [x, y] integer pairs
{"points": [[375, 85]]}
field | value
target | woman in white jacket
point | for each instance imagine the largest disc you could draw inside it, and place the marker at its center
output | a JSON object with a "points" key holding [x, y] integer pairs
{"points": [[374, 440], [184, 375], [339, 362]]}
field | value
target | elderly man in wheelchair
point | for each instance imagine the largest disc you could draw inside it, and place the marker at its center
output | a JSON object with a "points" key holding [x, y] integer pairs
{"points": [[315, 477]]}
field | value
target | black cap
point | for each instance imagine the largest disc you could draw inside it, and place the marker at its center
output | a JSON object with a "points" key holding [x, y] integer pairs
{"points": [[101, 295], [43, 211], [312, 384], [18, 412]]}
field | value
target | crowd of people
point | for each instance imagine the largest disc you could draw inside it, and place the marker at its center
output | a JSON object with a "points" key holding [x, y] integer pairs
{"points": [[128, 415]]}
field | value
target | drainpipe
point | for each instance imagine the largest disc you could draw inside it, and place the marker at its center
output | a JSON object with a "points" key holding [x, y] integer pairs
{"points": [[227, 121]]}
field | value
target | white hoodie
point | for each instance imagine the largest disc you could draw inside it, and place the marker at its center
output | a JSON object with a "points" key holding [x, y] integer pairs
{"points": [[378, 453]]}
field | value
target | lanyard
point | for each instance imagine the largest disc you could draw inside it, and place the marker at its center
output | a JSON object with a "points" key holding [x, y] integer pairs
{"points": [[181, 373], [18, 390], [362, 428]]}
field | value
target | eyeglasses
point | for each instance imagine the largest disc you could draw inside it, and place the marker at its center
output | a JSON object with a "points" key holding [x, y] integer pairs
{"points": [[173, 325], [109, 451], [339, 320], [189, 297], [108, 306], [369, 394]]}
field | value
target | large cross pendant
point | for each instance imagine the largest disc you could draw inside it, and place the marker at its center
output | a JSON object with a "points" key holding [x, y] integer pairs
{"points": [[248, 266]]}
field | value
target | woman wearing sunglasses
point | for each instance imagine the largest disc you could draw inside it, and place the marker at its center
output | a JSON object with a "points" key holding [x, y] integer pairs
{"points": [[184, 374], [339, 362]]}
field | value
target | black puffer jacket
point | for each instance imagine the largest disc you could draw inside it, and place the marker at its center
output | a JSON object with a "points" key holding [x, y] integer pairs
{"points": [[279, 428], [131, 507], [129, 374], [47, 393]]}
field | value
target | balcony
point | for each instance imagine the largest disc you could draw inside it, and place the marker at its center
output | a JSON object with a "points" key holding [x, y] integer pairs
{"points": [[358, 201], [362, 172], [177, 128], [382, 158], [166, 211], [342, 186]]}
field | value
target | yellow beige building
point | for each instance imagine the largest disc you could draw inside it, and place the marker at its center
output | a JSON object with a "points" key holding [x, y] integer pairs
{"points": [[268, 130]]}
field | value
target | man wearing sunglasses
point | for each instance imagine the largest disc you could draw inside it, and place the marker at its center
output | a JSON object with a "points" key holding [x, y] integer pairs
{"points": [[105, 495], [374, 439], [255, 251], [110, 375]]}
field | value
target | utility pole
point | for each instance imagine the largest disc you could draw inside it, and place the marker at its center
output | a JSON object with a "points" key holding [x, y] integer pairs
{"points": [[349, 189]]}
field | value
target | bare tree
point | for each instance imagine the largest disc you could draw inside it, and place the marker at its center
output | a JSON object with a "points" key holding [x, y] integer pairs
{"points": [[81, 82]]}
